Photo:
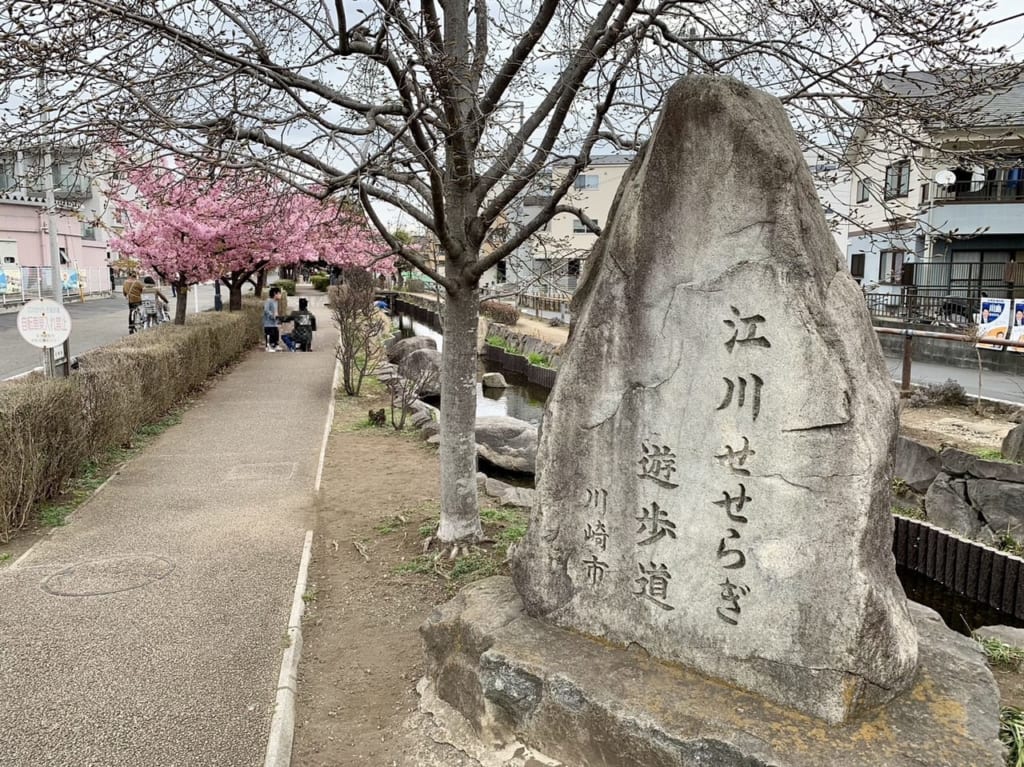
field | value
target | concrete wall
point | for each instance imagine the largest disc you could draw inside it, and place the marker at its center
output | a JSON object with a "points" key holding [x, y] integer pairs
{"points": [[955, 353]]}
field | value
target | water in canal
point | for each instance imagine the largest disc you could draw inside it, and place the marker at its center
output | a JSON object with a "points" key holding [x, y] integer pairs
{"points": [[521, 399]]}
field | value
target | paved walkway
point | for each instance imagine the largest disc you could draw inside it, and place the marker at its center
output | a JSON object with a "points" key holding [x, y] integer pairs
{"points": [[149, 631]]}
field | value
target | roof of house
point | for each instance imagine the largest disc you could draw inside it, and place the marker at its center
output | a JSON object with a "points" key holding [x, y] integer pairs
{"points": [[990, 96]]}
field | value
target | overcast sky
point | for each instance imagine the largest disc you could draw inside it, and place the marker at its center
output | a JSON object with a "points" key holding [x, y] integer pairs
{"points": [[1008, 33]]}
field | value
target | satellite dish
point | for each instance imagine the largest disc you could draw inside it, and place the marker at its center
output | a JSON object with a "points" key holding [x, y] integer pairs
{"points": [[945, 177]]}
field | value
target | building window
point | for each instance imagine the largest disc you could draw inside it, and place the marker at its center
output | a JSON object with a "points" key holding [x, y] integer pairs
{"points": [[7, 181], [578, 227], [862, 190], [897, 180], [88, 231], [586, 181], [573, 267], [890, 266], [857, 266]]}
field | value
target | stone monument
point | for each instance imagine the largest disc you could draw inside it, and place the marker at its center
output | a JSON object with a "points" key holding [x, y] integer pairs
{"points": [[716, 450], [712, 522]]}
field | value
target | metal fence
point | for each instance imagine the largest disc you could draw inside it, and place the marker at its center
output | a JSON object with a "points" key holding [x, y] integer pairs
{"points": [[946, 291], [24, 283]]}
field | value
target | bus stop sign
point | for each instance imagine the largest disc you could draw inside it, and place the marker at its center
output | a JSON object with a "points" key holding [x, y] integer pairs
{"points": [[44, 323]]}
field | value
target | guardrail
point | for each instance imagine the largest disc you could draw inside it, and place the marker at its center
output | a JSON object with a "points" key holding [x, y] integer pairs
{"points": [[908, 346]]}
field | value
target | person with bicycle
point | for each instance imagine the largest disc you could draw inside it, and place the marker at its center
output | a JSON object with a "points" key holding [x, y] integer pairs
{"points": [[132, 290], [154, 303]]}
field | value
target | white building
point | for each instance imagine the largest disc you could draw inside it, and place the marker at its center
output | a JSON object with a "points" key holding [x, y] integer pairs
{"points": [[938, 218]]}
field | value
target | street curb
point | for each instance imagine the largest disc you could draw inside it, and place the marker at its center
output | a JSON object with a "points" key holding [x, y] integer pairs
{"points": [[282, 724]]}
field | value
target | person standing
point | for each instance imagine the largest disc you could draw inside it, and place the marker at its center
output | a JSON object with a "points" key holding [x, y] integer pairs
{"points": [[132, 290], [270, 321]]}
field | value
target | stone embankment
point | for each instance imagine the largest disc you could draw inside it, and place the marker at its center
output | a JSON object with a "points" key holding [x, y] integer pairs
{"points": [[968, 495]]}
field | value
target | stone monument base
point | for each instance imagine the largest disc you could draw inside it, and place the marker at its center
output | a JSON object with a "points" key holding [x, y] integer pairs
{"points": [[590, 704]]}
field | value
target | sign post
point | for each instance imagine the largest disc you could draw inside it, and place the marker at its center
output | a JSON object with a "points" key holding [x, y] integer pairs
{"points": [[46, 324]]}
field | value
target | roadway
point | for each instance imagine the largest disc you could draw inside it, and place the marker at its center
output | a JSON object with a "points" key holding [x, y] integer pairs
{"points": [[95, 322], [104, 320]]}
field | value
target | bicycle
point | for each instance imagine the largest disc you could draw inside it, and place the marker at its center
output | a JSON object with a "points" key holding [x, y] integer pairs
{"points": [[148, 315]]}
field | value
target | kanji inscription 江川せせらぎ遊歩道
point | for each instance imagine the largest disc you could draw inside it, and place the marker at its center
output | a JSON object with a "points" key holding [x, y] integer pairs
{"points": [[730, 554]]}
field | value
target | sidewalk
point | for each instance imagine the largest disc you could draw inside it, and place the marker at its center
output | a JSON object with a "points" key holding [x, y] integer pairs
{"points": [[150, 630]]}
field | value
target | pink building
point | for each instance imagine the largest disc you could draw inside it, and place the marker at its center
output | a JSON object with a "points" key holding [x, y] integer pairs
{"points": [[25, 262]]}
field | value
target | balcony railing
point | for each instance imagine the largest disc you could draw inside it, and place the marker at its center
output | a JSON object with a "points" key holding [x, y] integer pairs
{"points": [[940, 291], [978, 191]]}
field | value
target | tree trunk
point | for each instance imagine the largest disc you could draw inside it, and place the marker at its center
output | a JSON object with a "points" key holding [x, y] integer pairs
{"points": [[460, 513], [181, 303], [261, 282], [234, 287]]}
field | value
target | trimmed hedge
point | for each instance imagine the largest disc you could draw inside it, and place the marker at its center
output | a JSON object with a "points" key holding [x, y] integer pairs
{"points": [[288, 286], [320, 282], [51, 427], [499, 311]]}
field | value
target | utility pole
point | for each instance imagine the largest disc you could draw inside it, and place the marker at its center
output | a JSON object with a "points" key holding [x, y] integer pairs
{"points": [[56, 365]]}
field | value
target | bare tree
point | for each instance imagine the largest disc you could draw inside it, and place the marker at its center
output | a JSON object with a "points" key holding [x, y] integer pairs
{"points": [[362, 328], [451, 112]]}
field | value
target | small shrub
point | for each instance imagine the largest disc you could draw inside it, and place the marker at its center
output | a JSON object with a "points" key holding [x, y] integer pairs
{"points": [[538, 359], [320, 282], [948, 393], [362, 328], [499, 311], [288, 286]]}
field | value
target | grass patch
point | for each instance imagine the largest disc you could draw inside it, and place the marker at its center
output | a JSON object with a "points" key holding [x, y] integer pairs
{"points": [[1011, 733], [421, 565], [497, 514], [500, 342], [309, 595], [538, 359], [155, 429], [473, 567], [998, 653], [55, 514], [899, 486], [1010, 545], [5, 556], [990, 454], [391, 524], [910, 512]]}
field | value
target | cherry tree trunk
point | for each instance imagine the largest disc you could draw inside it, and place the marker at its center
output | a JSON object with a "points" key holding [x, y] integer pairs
{"points": [[235, 296], [180, 303], [460, 513]]}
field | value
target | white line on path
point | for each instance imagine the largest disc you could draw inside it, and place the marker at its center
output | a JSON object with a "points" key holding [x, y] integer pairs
{"points": [[282, 725], [327, 428]]}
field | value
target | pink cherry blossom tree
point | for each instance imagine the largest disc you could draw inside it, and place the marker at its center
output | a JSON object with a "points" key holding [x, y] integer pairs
{"points": [[189, 229]]}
